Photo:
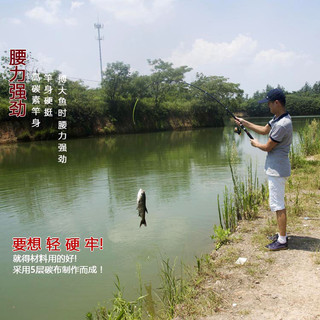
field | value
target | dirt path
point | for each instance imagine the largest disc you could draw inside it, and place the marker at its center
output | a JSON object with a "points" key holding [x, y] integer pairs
{"points": [[272, 285]]}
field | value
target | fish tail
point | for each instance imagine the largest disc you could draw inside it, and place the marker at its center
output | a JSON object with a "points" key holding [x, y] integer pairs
{"points": [[143, 221]]}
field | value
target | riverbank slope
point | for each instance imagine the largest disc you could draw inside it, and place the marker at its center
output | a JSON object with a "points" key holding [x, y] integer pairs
{"points": [[22, 130], [269, 285]]}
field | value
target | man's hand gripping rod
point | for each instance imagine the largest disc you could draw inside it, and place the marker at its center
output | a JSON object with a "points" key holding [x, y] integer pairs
{"points": [[215, 99]]}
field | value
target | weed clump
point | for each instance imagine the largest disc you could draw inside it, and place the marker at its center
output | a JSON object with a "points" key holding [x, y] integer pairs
{"points": [[244, 200]]}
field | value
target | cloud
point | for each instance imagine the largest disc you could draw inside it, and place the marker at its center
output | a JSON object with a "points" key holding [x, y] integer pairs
{"points": [[12, 21], [15, 21], [46, 63], [50, 13], [287, 68], [243, 50], [42, 15], [71, 21], [243, 61], [76, 4], [135, 11], [280, 57], [53, 5], [204, 52]]}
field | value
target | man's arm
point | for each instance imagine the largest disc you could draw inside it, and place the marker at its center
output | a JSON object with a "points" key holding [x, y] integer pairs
{"points": [[254, 127], [264, 147]]}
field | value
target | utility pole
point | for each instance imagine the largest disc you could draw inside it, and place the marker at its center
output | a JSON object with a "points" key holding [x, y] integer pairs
{"points": [[98, 26]]}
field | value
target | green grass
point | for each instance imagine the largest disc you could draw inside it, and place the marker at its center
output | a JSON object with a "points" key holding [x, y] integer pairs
{"points": [[173, 288], [243, 202], [221, 236], [310, 138], [121, 309]]}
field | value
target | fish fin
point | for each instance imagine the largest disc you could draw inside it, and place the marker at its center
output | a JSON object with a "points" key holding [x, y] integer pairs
{"points": [[147, 210], [143, 221]]}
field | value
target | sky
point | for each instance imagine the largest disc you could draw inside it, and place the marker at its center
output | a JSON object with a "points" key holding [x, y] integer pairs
{"points": [[250, 42]]}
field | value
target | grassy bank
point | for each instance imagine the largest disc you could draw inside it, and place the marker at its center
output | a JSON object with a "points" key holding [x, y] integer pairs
{"points": [[223, 288], [250, 238], [210, 287]]}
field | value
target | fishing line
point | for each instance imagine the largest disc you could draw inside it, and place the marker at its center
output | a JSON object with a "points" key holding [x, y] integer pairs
{"points": [[134, 109], [135, 104]]}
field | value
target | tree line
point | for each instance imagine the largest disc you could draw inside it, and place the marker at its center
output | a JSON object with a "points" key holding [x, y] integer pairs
{"points": [[156, 98], [305, 101]]}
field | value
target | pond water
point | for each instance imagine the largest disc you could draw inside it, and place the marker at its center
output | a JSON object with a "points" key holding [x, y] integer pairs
{"points": [[94, 195]]}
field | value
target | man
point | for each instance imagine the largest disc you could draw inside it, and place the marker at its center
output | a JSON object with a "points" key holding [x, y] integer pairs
{"points": [[277, 166]]}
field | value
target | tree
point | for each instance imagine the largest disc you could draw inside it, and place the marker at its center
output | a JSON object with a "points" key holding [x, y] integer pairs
{"points": [[164, 78], [116, 82], [316, 88], [139, 87], [228, 93]]}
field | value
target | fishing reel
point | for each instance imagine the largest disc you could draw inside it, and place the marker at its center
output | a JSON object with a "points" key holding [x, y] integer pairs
{"points": [[237, 130]]}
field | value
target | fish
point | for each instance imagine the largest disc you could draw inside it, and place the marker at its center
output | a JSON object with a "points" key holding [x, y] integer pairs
{"points": [[141, 206]]}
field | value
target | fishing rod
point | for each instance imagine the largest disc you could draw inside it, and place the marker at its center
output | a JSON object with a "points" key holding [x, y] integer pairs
{"points": [[237, 130]]}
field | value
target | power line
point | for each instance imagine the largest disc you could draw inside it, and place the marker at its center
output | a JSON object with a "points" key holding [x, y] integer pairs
{"points": [[83, 79]]}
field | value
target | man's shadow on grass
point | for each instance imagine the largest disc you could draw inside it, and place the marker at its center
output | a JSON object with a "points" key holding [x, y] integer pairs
{"points": [[304, 243]]}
